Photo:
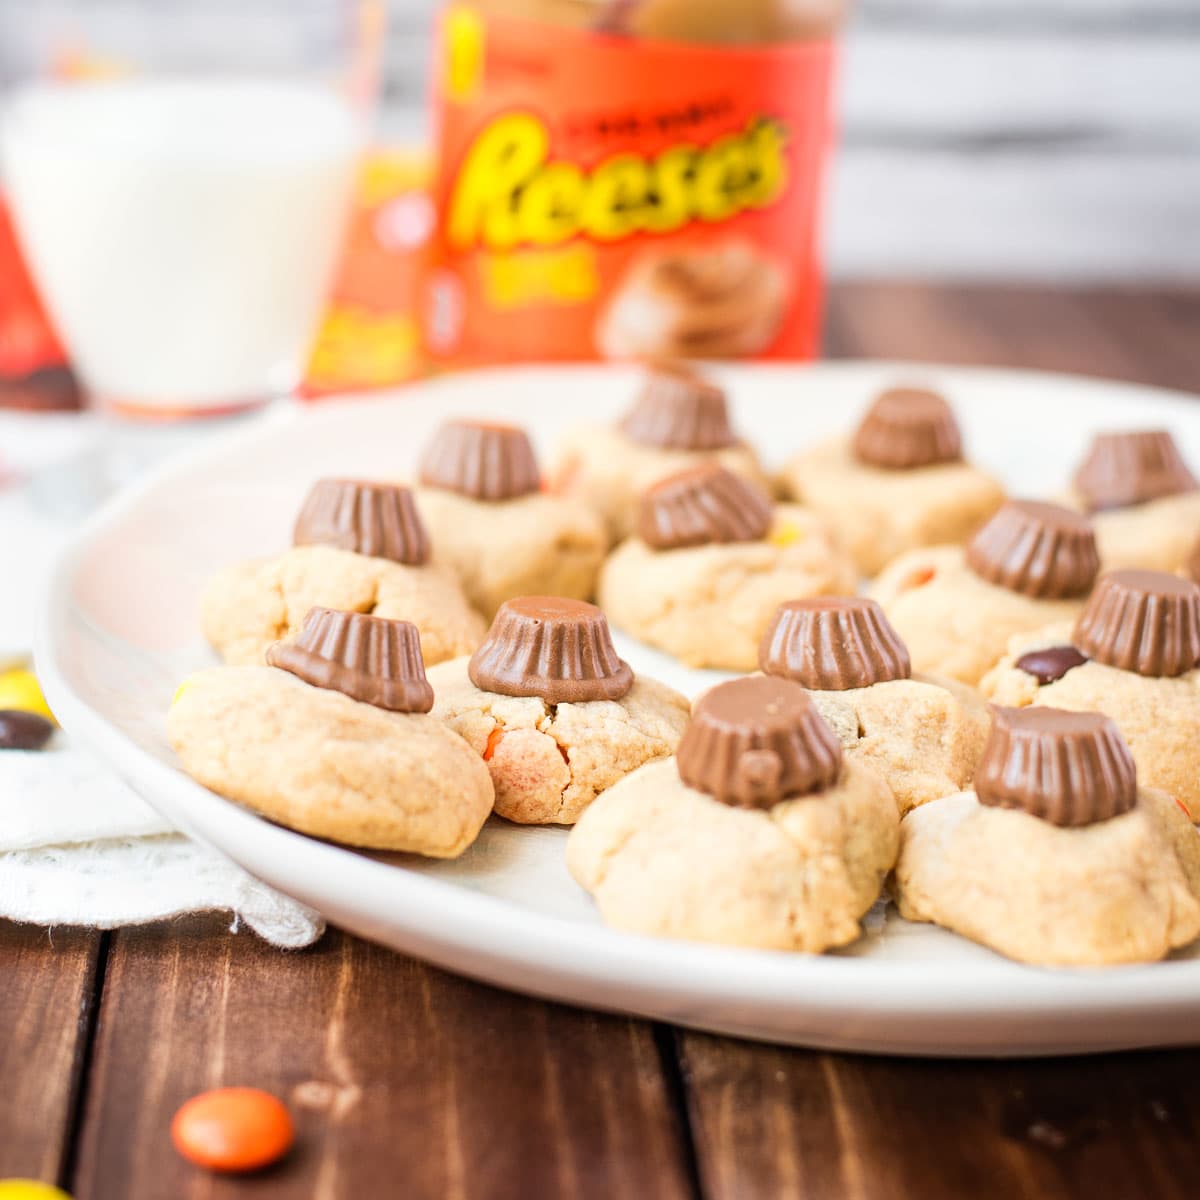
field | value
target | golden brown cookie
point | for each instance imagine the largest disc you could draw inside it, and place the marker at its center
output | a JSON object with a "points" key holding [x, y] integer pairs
{"points": [[317, 761], [249, 606]]}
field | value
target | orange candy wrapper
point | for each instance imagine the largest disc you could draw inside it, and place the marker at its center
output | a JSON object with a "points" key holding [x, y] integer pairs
{"points": [[370, 336], [602, 196]]}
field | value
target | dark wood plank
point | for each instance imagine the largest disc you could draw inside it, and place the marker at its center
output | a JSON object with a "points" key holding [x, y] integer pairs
{"points": [[47, 990], [1120, 333], [405, 1080], [773, 1122]]}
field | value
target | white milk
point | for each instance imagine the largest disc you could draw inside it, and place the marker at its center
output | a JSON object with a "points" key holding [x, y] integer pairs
{"points": [[184, 233]]}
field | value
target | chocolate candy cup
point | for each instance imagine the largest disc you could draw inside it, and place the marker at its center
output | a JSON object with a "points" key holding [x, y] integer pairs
{"points": [[379, 519], [372, 659], [547, 646], [833, 644], [1143, 621], [908, 428], [702, 505], [482, 461], [1123, 469], [1039, 550], [755, 741], [678, 409], [1068, 768]]}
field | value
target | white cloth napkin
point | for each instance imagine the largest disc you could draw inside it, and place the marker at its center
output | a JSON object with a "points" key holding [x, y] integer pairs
{"points": [[77, 846]]}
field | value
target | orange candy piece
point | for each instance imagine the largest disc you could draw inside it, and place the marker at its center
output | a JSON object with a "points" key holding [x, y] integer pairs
{"points": [[233, 1129]]}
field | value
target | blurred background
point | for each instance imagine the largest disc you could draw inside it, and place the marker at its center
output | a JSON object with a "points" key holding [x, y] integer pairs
{"points": [[1053, 140]]}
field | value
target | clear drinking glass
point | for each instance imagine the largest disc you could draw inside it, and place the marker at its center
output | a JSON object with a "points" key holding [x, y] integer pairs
{"points": [[180, 173]]}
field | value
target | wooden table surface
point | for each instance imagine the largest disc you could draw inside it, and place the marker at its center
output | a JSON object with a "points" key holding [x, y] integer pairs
{"points": [[408, 1082]]}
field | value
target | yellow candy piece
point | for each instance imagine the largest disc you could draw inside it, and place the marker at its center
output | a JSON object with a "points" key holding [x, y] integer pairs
{"points": [[183, 687], [785, 534], [30, 1189], [19, 689]]}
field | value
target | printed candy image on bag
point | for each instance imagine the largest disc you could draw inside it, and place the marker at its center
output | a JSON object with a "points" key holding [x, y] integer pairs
{"points": [[629, 179]]}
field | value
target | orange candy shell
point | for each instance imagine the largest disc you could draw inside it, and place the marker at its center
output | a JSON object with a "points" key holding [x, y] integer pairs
{"points": [[233, 1129]]}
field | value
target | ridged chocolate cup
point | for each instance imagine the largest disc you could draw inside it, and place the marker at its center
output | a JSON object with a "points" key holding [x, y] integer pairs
{"points": [[758, 740], [372, 659], [1040, 550], [907, 428], [378, 519], [833, 643], [679, 409], [1068, 768], [481, 460], [1142, 621], [700, 506], [1124, 469], [557, 649]]}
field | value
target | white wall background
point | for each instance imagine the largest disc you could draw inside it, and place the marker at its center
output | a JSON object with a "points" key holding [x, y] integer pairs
{"points": [[1018, 139]]}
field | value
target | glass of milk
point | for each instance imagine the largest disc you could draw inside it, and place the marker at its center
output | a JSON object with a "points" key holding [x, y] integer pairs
{"points": [[180, 173]]}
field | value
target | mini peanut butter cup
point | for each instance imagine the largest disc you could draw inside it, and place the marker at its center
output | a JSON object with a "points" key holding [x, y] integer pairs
{"points": [[372, 659], [702, 505], [755, 741], [908, 428], [1143, 621], [547, 646], [1068, 768], [833, 643], [1123, 469], [481, 460], [378, 519], [1040, 550], [679, 409]]}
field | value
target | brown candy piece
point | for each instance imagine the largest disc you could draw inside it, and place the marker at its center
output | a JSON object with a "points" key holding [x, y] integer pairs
{"points": [[378, 519], [678, 409], [481, 460], [702, 505], [1040, 550], [1068, 768], [758, 740], [1123, 469], [1143, 621], [833, 643], [547, 646], [1051, 664], [372, 659], [908, 428], [21, 730]]}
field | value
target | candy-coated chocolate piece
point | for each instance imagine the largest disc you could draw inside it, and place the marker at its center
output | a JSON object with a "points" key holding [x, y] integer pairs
{"points": [[23, 730], [20, 689], [1051, 664], [30, 1189], [233, 1129]]}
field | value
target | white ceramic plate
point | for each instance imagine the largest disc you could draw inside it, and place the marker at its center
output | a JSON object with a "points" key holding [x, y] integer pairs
{"points": [[119, 631]]}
